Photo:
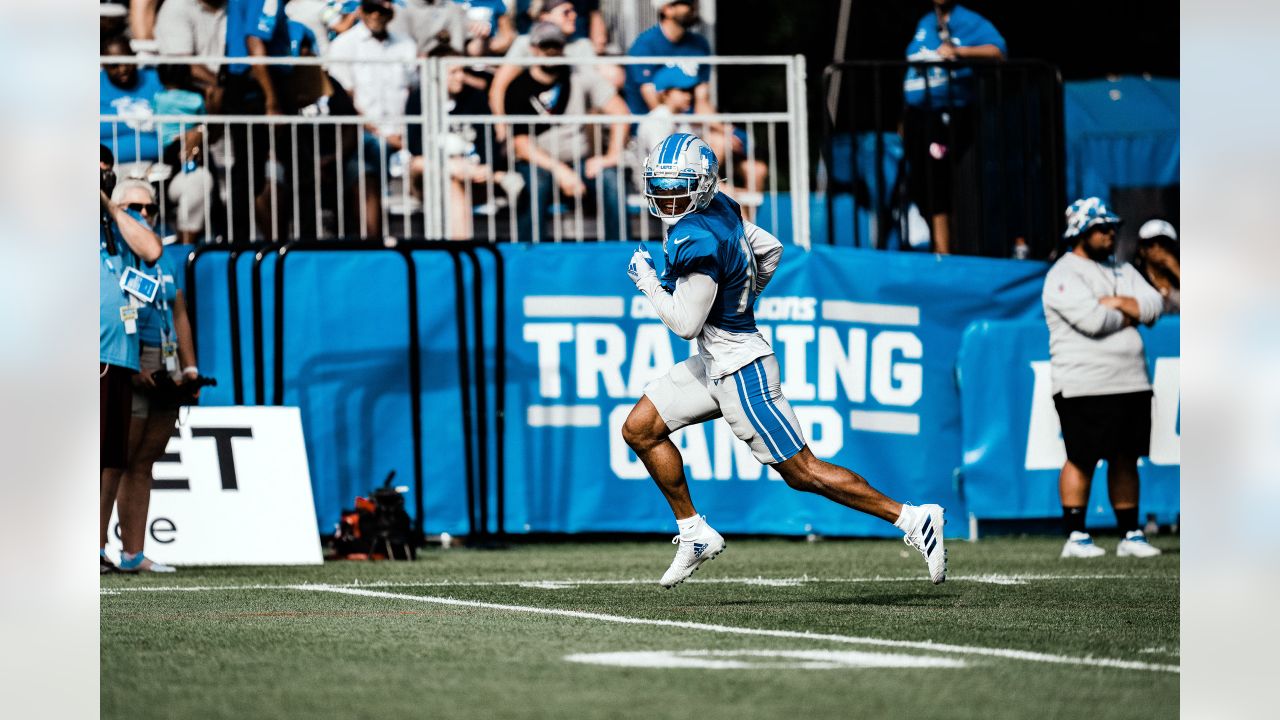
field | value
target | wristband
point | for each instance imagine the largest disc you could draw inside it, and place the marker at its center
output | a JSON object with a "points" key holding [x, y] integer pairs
{"points": [[191, 369]]}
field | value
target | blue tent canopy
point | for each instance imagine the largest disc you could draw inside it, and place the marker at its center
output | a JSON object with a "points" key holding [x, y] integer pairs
{"points": [[1121, 133]]}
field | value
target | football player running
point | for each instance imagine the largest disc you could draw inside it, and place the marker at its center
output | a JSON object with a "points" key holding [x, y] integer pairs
{"points": [[717, 264]]}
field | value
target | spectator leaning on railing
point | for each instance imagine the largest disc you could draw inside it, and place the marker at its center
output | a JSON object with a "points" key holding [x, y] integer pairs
{"points": [[1101, 387], [196, 27], [938, 127], [379, 90], [126, 245], [560, 13], [547, 153]]}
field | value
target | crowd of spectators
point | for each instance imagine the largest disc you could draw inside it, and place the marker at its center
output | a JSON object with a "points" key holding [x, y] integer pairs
{"points": [[240, 180]]}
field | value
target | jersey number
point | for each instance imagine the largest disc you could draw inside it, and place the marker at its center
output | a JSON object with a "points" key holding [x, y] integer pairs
{"points": [[744, 301]]}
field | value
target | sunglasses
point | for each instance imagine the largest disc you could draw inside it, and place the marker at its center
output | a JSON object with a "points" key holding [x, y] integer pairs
{"points": [[148, 208]]}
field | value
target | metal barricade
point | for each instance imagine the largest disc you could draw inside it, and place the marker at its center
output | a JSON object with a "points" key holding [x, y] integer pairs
{"points": [[317, 173], [972, 150]]}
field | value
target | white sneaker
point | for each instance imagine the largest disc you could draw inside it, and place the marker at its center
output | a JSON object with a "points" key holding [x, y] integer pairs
{"points": [[1080, 545], [1135, 544], [690, 554], [925, 535]]}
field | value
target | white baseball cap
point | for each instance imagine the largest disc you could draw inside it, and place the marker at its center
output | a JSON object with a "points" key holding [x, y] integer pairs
{"points": [[1157, 228]]}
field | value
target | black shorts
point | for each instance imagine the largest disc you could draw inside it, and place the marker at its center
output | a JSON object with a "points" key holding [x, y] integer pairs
{"points": [[1105, 427], [929, 178], [115, 405]]}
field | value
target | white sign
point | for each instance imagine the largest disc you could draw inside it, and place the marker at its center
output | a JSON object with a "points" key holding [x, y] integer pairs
{"points": [[233, 488]]}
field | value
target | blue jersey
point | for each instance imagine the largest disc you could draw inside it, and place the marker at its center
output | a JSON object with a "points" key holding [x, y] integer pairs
{"points": [[713, 242], [968, 29], [263, 19], [133, 137], [653, 43]]}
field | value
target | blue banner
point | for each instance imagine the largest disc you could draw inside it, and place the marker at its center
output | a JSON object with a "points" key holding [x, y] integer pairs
{"points": [[1012, 440], [867, 343]]}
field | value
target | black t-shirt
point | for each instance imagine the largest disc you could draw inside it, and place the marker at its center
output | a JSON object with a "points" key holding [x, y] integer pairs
{"points": [[527, 96]]}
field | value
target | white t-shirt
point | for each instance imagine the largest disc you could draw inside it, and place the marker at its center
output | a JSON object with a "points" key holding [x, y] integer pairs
{"points": [[187, 27], [380, 89], [1092, 350]]}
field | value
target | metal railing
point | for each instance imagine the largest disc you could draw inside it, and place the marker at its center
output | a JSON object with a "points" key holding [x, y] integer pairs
{"points": [[316, 175], [974, 145]]}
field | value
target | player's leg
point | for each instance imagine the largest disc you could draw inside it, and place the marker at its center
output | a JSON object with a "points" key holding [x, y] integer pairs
{"points": [[647, 434], [1130, 430], [755, 408], [677, 399]]}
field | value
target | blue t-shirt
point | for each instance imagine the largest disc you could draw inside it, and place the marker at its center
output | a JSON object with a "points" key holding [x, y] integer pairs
{"points": [[496, 8], [133, 139], [968, 29], [116, 347], [652, 42], [712, 242], [158, 316], [263, 19]]}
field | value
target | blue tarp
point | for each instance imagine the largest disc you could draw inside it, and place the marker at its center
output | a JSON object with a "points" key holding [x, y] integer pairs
{"points": [[1121, 133]]}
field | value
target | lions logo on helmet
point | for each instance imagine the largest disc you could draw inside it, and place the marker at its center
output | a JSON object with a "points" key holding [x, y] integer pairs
{"points": [[680, 177]]}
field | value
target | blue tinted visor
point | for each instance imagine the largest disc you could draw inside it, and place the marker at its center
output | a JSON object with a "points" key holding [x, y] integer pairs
{"points": [[670, 186]]}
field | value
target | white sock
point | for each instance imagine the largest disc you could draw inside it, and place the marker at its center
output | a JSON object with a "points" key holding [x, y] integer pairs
{"points": [[689, 526], [906, 518]]}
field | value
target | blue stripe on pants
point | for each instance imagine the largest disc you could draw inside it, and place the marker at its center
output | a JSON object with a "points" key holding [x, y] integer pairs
{"points": [[750, 412], [767, 402]]}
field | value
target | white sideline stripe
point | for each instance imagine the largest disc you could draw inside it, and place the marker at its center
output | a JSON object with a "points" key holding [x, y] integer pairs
{"points": [[571, 583], [884, 421], [562, 416], [870, 313], [1025, 655], [559, 306]]}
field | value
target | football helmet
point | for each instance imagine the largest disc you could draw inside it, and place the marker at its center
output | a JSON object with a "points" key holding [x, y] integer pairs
{"points": [[681, 176]]}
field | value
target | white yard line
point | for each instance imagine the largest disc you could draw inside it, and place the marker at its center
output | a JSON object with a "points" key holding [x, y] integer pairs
{"points": [[758, 632], [567, 583]]}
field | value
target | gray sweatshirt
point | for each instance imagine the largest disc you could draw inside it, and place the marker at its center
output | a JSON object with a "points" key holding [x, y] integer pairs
{"points": [[1092, 350]]}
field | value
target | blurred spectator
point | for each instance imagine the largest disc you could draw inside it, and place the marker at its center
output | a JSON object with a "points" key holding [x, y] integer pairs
{"points": [[190, 182], [1157, 260], [164, 333], [1101, 387], [560, 13], [490, 27], [142, 25], [673, 36], [256, 28], [379, 90], [432, 23], [938, 127], [556, 156], [127, 90], [112, 20], [675, 98], [473, 162], [196, 27], [125, 243], [322, 151], [589, 22]]}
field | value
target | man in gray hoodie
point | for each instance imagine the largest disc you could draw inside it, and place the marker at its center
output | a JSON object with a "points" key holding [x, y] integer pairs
{"points": [[1101, 387]]}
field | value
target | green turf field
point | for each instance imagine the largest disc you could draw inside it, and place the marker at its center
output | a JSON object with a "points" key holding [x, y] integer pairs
{"points": [[794, 630]]}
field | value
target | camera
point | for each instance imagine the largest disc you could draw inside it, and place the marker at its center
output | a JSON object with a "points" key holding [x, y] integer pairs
{"points": [[169, 394], [107, 181]]}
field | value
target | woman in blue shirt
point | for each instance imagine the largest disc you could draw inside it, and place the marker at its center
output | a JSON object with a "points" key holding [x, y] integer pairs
{"points": [[164, 334]]}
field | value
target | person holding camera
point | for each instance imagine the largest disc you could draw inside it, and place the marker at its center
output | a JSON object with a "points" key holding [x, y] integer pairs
{"points": [[166, 358], [126, 248]]}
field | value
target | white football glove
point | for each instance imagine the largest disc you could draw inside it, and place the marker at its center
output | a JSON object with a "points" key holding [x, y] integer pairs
{"points": [[641, 266]]}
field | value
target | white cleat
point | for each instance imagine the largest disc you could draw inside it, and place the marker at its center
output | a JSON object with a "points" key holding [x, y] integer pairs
{"points": [[1080, 545], [1135, 544], [691, 554], [925, 535]]}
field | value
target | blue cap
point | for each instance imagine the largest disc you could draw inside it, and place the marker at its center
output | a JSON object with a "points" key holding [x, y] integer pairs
{"points": [[673, 77], [1086, 213]]}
